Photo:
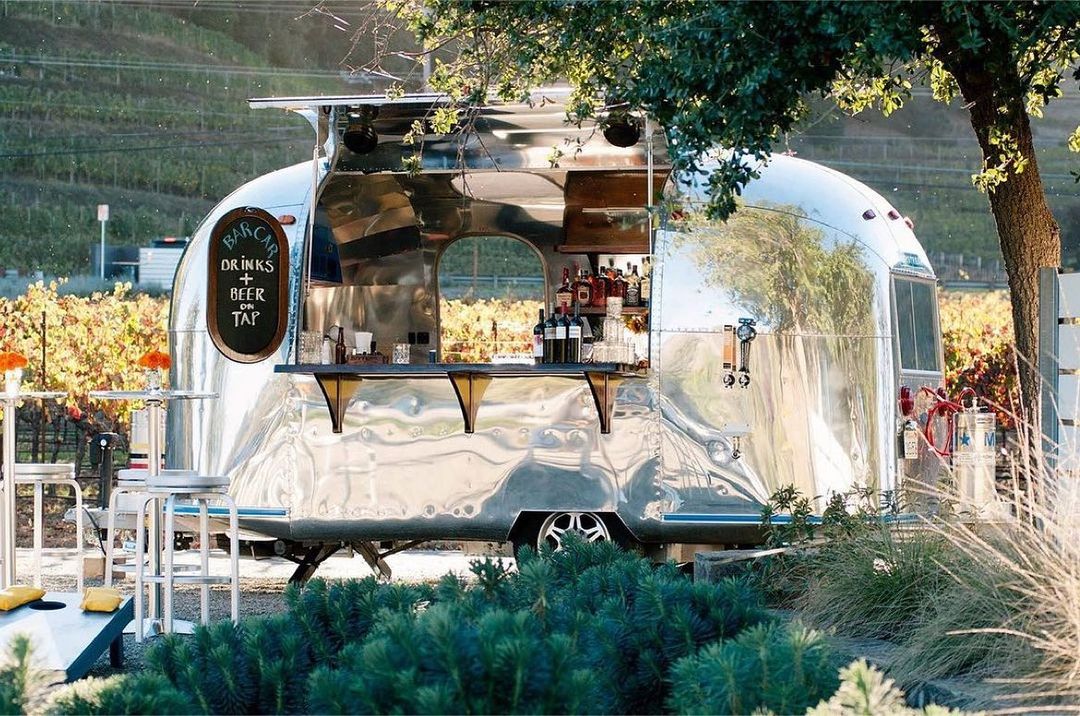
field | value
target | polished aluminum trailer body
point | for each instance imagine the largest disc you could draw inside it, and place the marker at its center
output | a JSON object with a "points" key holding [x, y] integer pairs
{"points": [[813, 256]]}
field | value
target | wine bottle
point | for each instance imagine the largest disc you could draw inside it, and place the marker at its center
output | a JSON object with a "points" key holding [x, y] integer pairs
{"points": [[341, 355], [573, 337], [562, 326], [538, 340], [549, 339], [564, 295]]}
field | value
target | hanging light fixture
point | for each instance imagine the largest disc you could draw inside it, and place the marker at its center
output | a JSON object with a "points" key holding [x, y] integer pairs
{"points": [[360, 136], [622, 129]]}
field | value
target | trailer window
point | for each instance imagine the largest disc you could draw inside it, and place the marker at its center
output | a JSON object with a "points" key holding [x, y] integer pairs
{"points": [[917, 325], [491, 289]]}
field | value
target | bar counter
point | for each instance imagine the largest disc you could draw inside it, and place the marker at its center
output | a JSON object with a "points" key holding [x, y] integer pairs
{"points": [[339, 383]]}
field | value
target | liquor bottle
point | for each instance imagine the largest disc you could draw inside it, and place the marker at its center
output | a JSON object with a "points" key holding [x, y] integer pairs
{"points": [[618, 285], [582, 289], [646, 282], [562, 326], [549, 339], [564, 295], [599, 290], [341, 355], [573, 337], [538, 340], [633, 287]]}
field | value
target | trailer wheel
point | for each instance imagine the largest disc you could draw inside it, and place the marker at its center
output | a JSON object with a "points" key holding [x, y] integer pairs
{"points": [[586, 525]]}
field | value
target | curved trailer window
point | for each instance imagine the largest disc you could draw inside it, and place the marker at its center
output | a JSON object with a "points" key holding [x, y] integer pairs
{"points": [[917, 325], [491, 289]]}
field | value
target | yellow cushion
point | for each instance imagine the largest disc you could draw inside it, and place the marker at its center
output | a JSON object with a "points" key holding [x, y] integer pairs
{"points": [[17, 594], [100, 599]]}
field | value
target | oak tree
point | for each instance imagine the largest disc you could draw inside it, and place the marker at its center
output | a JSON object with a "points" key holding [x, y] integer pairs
{"points": [[740, 74]]}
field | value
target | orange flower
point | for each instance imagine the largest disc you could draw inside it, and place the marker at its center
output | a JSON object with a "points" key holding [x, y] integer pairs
{"points": [[10, 360], [155, 360]]}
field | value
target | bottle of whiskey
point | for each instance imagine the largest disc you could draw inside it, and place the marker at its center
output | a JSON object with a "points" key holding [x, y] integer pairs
{"points": [[618, 285], [538, 340], [633, 287], [564, 295], [573, 337], [562, 327], [549, 339], [646, 282], [582, 289], [599, 290]]}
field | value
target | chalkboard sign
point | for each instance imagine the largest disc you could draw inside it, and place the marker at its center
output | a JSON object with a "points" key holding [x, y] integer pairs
{"points": [[247, 309]]}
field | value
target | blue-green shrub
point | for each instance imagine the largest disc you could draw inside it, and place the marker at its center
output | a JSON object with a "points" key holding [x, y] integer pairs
{"points": [[778, 668]]}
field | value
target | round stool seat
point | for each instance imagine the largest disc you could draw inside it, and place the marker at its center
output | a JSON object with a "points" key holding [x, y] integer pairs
{"points": [[137, 477], [43, 470], [186, 481]]}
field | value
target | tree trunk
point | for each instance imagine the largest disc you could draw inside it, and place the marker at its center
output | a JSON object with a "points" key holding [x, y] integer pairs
{"points": [[1027, 232]]}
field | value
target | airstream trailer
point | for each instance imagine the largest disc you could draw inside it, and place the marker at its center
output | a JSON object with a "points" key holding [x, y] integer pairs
{"points": [[770, 350]]}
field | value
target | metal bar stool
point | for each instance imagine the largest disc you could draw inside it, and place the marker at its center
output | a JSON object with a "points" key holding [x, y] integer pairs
{"points": [[128, 482], [201, 490], [40, 474]]}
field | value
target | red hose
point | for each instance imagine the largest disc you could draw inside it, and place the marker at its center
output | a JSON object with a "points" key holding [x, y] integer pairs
{"points": [[946, 409]]}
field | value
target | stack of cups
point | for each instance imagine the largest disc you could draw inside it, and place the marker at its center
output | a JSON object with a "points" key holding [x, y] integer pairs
{"points": [[310, 345]]}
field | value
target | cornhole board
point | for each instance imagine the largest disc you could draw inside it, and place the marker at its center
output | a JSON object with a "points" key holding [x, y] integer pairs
{"points": [[67, 640]]}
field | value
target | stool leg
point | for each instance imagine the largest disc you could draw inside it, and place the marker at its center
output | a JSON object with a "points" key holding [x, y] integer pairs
{"points": [[39, 530], [3, 524], [140, 546], [170, 545], [204, 555], [110, 534], [234, 558], [79, 534]]}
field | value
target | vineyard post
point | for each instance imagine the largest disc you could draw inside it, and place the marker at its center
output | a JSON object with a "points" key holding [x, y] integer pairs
{"points": [[40, 456], [103, 216]]}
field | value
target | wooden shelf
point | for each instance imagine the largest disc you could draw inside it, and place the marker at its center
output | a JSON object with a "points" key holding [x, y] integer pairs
{"points": [[614, 249], [598, 311], [339, 383]]}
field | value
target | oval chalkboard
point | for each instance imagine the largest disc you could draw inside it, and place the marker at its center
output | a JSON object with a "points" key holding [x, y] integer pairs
{"points": [[247, 309]]}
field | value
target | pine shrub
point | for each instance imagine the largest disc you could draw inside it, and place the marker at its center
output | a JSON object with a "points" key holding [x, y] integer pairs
{"points": [[124, 694], [22, 684], [447, 661], [589, 629], [778, 668]]}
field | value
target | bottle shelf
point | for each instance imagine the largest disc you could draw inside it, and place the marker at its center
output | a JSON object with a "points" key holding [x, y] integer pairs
{"points": [[599, 311]]}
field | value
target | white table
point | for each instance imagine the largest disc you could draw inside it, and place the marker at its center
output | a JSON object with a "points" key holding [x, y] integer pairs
{"points": [[154, 400], [7, 531]]}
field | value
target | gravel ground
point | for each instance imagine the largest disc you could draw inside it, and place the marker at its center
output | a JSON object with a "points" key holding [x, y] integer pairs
{"points": [[262, 582]]}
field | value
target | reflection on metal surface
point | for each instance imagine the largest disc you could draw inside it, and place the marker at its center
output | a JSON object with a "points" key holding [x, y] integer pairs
{"points": [[660, 453]]}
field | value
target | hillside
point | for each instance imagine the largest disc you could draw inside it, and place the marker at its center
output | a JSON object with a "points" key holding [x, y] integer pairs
{"points": [[140, 104], [922, 159], [142, 109]]}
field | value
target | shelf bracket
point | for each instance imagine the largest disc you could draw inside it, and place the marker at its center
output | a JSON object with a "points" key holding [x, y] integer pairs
{"points": [[338, 389], [469, 388], [603, 387]]}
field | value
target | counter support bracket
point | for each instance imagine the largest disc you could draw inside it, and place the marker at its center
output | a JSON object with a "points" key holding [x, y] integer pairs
{"points": [[469, 388], [338, 389], [603, 387]]}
